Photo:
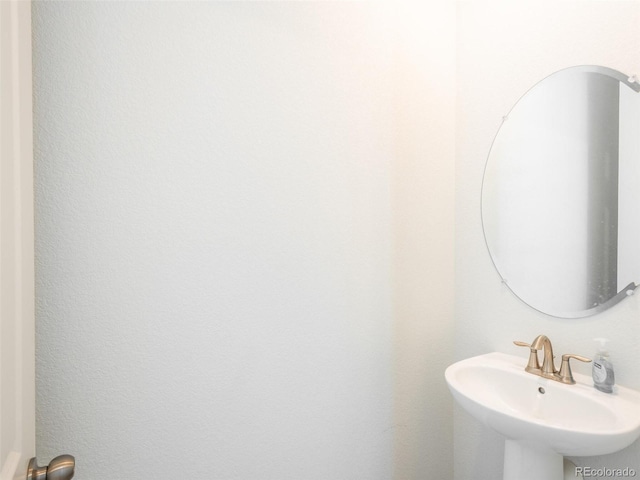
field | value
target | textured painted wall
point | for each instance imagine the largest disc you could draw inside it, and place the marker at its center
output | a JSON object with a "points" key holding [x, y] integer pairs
{"points": [[504, 48], [214, 239], [423, 206]]}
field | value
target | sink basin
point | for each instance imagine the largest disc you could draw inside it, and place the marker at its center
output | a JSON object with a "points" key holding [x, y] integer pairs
{"points": [[542, 419]]}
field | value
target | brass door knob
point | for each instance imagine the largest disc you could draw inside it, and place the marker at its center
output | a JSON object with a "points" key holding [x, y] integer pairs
{"points": [[60, 468]]}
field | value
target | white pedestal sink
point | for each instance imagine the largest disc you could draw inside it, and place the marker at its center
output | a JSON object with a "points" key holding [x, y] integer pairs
{"points": [[542, 419]]}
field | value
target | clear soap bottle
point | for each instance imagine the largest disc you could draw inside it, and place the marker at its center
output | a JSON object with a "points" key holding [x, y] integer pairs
{"points": [[603, 376]]}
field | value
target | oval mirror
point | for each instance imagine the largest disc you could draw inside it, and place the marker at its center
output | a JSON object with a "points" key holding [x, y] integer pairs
{"points": [[561, 192]]}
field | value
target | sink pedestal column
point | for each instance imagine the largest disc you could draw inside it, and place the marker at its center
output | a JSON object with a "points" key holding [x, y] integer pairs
{"points": [[522, 461]]}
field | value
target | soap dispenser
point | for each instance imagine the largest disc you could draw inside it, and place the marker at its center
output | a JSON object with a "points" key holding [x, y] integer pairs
{"points": [[603, 376]]}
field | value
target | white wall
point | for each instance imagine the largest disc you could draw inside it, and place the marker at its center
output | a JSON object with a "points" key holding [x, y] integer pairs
{"points": [[503, 49], [242, 213], [423, 217], [213, 205]]}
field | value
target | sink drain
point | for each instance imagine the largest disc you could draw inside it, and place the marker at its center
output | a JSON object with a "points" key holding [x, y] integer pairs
{"points": [[541, 390]]}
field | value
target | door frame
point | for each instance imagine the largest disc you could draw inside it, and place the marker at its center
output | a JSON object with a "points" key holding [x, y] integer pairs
{"points": [[17, 284]]}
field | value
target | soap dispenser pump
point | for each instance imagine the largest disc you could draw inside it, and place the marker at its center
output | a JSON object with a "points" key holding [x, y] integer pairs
{"points": [[603, 376]]}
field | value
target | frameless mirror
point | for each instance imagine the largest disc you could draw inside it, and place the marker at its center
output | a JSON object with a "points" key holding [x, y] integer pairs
{"points": [[561, 193]]}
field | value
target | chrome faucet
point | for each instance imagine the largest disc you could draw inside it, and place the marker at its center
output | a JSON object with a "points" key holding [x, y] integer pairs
{"points": [[548, 369]]}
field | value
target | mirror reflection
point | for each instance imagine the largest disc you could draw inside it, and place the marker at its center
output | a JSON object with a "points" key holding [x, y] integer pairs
{"points": [[561, 190]]}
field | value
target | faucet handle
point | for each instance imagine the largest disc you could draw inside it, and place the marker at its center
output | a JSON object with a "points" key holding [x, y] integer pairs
{"points": [[565, 375], [533, 366]]}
